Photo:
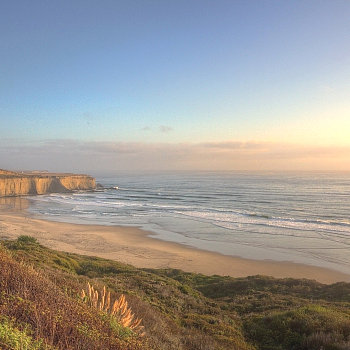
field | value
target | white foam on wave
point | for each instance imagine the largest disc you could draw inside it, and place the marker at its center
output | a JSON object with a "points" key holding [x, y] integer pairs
{"points": [[252, 212]]}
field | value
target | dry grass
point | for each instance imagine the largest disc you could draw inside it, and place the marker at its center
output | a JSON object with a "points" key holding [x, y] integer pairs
{"points": [[118, 309]]}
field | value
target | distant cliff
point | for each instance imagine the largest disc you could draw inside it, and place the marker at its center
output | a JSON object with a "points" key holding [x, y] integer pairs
{"points": [[18, 184]]}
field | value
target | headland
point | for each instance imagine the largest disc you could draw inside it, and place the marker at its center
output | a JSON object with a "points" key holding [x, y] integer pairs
{"points": [[32, 183]]}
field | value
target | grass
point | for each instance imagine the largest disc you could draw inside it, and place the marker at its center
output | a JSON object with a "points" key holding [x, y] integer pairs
{"points": [[178, 310], [119, 311]]}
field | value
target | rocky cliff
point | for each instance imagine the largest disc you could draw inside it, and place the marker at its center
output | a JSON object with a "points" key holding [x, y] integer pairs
{"points": [[17, 184]]}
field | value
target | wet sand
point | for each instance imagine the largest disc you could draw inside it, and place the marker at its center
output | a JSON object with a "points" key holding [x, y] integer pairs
{"points": [[132, 245]]}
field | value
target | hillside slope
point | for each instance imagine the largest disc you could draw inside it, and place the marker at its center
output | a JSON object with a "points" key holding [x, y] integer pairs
{"points": [[183, 311]]}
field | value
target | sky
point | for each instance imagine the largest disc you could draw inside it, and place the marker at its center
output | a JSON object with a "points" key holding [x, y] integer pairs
{"points": [[110, 86]]}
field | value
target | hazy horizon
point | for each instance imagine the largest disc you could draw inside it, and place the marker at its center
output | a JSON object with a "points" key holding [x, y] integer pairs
{"points": [[130, 86], [117, 158]]}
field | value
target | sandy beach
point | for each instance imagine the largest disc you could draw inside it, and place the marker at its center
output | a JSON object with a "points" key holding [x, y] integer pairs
{"points": [[131, 245]]}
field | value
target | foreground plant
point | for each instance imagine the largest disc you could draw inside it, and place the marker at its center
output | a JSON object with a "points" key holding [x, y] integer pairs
{"points": [[118, 309], [15, 339]]}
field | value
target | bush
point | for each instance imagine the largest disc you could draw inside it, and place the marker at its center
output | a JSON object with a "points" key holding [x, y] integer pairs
{"points": [[27, 239], [312, 327], [13, 338]]}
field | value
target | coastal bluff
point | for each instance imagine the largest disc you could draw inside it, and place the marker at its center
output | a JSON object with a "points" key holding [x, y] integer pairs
{"points": [[19, 184]]}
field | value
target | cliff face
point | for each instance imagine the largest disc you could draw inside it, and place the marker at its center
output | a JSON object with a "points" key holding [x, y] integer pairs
{"points": [[13, 184]]}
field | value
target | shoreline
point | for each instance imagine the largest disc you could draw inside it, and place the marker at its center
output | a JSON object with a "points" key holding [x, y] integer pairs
{"points": [[135, 246]]}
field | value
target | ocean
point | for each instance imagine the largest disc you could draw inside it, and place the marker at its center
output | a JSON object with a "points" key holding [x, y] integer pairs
{"points": [[303, 218]]}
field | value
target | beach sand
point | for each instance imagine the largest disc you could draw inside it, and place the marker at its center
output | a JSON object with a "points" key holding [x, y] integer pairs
{"points": [[132, 245]]}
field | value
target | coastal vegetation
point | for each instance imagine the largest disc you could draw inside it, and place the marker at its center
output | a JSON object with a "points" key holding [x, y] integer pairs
{"points": [[54, 300]]}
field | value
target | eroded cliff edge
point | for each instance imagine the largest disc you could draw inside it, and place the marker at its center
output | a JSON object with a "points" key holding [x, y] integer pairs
{"points": [[19, 184]]}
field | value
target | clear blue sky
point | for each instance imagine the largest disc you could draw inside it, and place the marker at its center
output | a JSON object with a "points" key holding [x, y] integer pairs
{"points": [[216, 83]]}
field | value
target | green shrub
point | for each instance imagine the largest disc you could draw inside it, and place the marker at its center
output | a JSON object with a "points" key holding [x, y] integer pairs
{"points": [[15, 339], [311, 327], [27, 239]]}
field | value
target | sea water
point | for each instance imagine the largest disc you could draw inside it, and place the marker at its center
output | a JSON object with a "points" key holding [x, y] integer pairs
{"points": [[303, 218]]}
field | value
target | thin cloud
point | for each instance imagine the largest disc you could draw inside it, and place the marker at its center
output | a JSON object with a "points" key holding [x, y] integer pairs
{"points": [[146, 128], [233, 145], [165, 129]]}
